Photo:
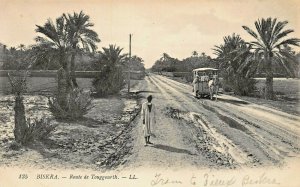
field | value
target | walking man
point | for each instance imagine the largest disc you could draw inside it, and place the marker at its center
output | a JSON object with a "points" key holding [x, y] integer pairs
{"points": [[196, 82], [148, 118]]}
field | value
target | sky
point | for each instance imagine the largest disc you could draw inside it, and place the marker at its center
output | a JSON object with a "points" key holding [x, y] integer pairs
{"points": [[176, 27]]}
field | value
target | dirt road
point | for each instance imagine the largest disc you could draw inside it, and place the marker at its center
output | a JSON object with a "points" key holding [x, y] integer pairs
{"points": [[200, 133]]}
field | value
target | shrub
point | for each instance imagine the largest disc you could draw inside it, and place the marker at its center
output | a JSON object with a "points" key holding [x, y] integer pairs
{"points": [[188, 77], [109, 81], [37, 129], [15, 146], [244, 86], [240, 85], [78, 103]]}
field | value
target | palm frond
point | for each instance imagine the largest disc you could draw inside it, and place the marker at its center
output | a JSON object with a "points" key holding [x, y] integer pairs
{"points": [[78, 26], [290, 41], [280, 35], [280, 25], [284, 63], [257, 44], [251, 32]]}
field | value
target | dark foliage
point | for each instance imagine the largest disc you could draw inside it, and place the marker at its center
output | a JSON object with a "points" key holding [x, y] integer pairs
{"points": [[169, 64], [26, 131], [109, 81], [77, 104], [234, 59], [36, 130]]}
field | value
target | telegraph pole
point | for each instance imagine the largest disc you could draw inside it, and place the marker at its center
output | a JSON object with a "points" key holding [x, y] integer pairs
{"points": [[129, 63]]}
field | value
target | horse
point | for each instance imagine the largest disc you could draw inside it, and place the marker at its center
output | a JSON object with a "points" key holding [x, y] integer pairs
{"points": [[213, 86]]}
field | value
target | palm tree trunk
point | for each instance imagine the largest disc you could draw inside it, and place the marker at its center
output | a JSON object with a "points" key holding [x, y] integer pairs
{"points": [[61, 87], [72, 73], [64, 83], [269, 80], [269, 87], [20, 119]]}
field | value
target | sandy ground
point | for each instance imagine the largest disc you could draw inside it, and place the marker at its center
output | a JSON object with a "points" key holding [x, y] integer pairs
{"points": [[200, 133], [95, 142], [190, 133]]}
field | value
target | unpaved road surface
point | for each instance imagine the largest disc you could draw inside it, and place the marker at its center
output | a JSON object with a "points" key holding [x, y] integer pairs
{"points": [[200, 133]]}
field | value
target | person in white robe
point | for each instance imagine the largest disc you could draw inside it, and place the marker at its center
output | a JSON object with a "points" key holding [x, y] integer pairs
{"points": [[148, 118], [196, 82]]}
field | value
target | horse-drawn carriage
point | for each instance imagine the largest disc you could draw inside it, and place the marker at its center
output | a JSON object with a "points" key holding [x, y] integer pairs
{"points": [[205, 82]]}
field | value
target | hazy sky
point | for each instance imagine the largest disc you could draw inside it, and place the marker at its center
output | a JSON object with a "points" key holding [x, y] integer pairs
{"points": [[176, 27]]}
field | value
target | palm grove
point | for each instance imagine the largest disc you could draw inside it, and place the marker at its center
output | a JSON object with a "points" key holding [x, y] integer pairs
{"points": [[268, 54], [60, 44]]}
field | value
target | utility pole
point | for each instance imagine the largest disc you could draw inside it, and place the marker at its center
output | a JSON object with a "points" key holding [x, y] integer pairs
{"points": [[129, 63]]}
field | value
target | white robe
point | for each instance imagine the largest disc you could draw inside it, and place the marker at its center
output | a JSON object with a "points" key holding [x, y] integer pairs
{"points": [[196, 85], [149, 118]]}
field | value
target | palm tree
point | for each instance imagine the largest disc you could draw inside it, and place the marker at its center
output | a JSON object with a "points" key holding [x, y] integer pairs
{"points": [[168, 62], [80, 36], [268, 48], [227, 52], [12, 50], [55, 45], [136, 63], [21, 47], [233, 58], [4, 48], [195, 53], [110, 80], [231, 42], [112, 55]]}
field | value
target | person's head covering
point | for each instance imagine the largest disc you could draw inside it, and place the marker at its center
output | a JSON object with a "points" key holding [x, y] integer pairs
{"points": [[149, 98]]}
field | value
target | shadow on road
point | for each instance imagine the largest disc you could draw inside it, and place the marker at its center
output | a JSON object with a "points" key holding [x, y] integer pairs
{"points": [[232, 101], [144, 91], [172, 149]]}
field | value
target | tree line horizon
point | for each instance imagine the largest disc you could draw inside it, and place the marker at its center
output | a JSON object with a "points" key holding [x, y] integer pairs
{"points": [[239, 61], [63, 43], [59, 43]]}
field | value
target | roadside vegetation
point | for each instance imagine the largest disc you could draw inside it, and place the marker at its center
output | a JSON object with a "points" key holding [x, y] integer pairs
{"points": [[269, 55], [61, 41], [66, 45], [69, 43], [26, 129], [110, 80], [230, 56]]}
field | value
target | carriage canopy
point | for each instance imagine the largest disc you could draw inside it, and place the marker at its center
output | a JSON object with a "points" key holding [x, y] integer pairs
{"points": [[205, 73], [205, 69]]}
